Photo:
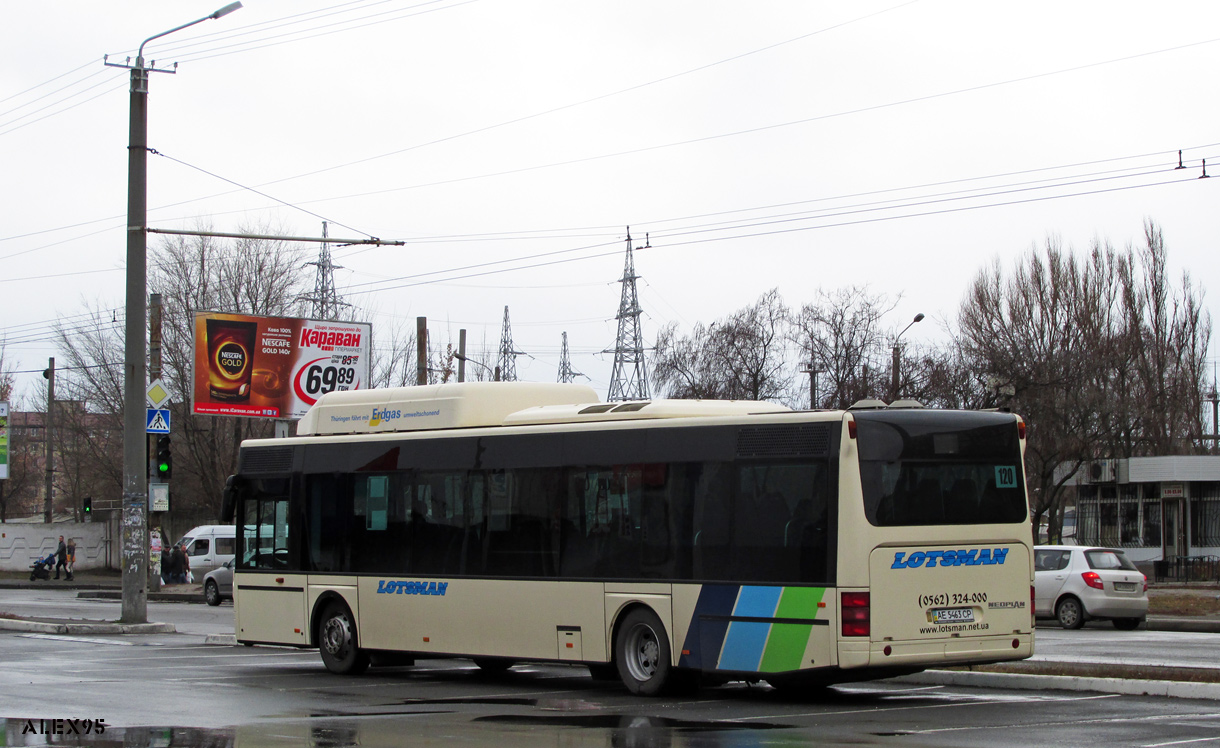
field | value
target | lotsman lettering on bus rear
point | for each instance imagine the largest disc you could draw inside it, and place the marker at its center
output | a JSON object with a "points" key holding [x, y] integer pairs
{"points": [[964, 557]]}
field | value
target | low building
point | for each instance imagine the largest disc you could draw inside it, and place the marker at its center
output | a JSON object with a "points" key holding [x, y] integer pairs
{"points": [[1161, 509]]}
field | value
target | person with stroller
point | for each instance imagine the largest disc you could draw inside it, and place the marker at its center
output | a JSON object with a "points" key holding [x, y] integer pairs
{"points": [[61, 559], [42, 567]]}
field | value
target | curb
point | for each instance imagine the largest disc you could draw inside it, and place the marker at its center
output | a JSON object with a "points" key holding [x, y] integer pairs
{"points": [[160, 597], [1193, 625], [86, 627], [221, 640], [1175, 689]]}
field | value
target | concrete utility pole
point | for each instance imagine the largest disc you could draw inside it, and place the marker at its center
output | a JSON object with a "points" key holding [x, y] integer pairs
{"points": [[898, 358], [134, 521], [421, 350], [813, 373], [48, 432]]}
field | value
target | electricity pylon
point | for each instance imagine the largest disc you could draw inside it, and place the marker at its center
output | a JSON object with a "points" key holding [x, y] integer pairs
{"points": [[629, 377], [566, 373], [325, 300], [507, 359]]}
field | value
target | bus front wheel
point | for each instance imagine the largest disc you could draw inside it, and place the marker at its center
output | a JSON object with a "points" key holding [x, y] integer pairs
{"points": [[642, 653], [338, 643]]}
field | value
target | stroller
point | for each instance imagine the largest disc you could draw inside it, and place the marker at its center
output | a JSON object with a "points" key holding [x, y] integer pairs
{"points": [[42, 567]]}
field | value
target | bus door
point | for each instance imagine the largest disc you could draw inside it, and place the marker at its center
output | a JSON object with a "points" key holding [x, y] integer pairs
{"points": [[269, 590]]}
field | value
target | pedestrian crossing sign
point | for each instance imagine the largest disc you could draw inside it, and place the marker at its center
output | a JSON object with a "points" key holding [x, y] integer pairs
{"points": [[158, 421]]}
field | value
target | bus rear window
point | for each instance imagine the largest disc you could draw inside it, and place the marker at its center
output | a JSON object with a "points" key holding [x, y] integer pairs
{"points": [[940, 468]]}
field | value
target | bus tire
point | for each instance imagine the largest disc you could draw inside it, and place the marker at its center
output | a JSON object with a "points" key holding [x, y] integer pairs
{"points": [[642, 654], [338, 642], [603, 671], [1070, 613], [493, 664]]}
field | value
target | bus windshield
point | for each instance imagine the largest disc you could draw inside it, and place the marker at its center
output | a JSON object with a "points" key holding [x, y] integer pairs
{"points": [[937, 468]]}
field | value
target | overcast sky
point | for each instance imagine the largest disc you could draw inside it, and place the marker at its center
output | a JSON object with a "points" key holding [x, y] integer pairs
{"points": [[778, 144]]}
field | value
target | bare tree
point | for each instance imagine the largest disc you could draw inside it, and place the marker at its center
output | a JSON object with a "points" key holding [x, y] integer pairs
{"points": [[1161, 349], [740, 357], [1100, 356], [192, 274], [198, 274], [19, 459], [1036, 333], [91, 431], [840, 335]]}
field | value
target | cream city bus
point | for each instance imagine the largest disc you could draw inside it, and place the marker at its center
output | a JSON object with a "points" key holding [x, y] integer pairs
{"points": [[660, 542]]}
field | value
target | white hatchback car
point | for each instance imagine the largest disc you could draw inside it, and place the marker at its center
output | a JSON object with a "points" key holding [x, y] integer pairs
{"points": [[1077, 583]]}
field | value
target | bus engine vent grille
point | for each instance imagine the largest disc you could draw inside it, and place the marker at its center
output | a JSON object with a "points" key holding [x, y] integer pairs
{"points": [[266, 460], [784, 441]]}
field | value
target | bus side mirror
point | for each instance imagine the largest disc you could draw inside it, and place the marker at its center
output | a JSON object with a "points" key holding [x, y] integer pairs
{"points": [[228, 500]]}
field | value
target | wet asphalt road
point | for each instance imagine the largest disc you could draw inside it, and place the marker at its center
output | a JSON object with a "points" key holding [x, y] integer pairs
{"points": [[160, 690]]}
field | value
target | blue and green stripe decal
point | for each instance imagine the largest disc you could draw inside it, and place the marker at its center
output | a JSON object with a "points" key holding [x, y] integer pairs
{"points": [[748, 628]]}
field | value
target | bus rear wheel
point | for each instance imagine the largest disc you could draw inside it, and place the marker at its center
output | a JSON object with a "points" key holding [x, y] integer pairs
{"points": [[493, 664], [338, 643], [641, 651]]}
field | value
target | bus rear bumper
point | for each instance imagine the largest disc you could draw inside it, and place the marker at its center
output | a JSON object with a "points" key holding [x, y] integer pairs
{"points": [[929, 653]]}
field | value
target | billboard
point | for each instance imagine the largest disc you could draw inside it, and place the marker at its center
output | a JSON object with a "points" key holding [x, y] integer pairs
{"points": [[273, 367], [3, 441]]}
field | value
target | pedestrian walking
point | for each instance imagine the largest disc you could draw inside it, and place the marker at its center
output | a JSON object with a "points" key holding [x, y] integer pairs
{"points": [[187, 578], [61, 558], [174, 566], [71, 556]]}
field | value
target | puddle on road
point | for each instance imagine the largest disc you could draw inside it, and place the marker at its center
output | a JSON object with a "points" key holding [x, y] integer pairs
{"points": [[570, 730]]}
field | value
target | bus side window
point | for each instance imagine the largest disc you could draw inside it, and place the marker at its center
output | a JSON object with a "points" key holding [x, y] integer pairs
{"points": [[329, 509], [264, 533], [711, 489]]}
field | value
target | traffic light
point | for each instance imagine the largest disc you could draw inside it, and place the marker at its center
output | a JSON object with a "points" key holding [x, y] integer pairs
{"points": [[165, 459], [87, 507]]}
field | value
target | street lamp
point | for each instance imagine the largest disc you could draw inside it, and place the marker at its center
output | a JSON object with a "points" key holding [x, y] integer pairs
{"points": [[898, 357], [460, 357], [135, 439]]}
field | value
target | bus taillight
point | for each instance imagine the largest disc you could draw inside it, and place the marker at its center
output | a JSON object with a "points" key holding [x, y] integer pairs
{"points": [[854, 610], [1020, 429]]}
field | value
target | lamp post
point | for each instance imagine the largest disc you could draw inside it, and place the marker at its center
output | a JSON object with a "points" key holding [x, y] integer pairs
{"points": [[898, 358], [134, 550], [462, 357]]}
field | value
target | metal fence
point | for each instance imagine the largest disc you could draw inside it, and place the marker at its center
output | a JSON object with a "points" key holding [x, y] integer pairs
{"points": [[1187, 569]]}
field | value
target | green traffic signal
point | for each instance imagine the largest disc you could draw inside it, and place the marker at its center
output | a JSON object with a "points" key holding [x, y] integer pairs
{"points": [[165, 459]]}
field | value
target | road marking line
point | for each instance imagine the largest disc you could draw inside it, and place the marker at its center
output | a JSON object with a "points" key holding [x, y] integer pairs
{"points": [[966, 700], [1180, 742]]}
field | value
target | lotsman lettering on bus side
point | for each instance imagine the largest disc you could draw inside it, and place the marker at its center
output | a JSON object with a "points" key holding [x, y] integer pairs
{"points": [[928, 559], [385, 587]]}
